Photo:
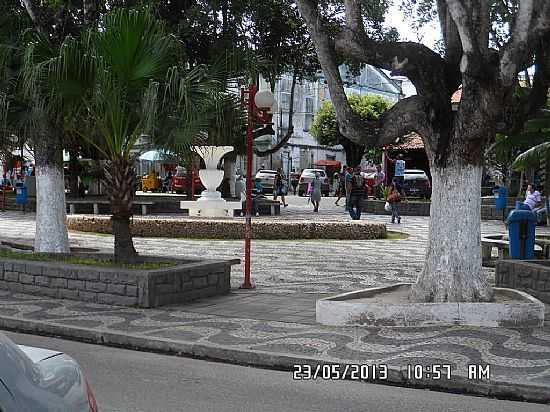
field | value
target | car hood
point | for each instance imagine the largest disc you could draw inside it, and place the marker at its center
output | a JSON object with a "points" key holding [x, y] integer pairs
{"points": [[38, 354]]}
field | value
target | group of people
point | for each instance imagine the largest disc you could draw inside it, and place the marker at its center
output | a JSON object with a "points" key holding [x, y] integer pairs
{"points": [[351, 185]]}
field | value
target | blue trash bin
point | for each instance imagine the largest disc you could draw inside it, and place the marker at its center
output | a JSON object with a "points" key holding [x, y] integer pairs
{"points": [[21, 195], [521, 230], [501, 197]]}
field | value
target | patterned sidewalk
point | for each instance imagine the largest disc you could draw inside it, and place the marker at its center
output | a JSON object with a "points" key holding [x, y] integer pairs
{"points": [[274, 325]]}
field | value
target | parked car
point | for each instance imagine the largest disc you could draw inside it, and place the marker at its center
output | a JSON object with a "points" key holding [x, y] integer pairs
{"points": [[267, 178], [41, 380], [416, 183], [179, 184], [307, 176]]}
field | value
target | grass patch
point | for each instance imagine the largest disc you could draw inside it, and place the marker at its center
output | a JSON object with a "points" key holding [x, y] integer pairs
{"points": [[85, 261], [391, 235]]}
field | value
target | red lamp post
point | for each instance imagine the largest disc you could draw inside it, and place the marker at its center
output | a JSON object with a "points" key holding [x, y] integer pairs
{"points": [[252, 98]]}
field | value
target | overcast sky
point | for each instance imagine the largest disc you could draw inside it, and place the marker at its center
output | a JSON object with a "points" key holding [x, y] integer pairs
{"points": [[429, 35]]}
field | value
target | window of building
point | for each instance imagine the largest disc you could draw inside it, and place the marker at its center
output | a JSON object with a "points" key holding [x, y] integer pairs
{"points": [[308, 113], [285, 102]]}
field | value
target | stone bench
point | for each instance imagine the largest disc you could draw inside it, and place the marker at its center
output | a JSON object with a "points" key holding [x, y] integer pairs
{"points": [[95, 203], [265, 207], [502, 243]]}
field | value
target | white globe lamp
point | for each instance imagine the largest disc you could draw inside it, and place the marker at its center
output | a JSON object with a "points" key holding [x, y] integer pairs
{"points": [[264, 99]]}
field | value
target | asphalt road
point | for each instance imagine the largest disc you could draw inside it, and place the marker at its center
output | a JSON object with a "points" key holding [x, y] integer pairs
{"points": [[125, 380]]}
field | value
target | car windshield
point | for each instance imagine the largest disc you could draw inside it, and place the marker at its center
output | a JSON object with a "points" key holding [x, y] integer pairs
{"points": [[311, 173]]}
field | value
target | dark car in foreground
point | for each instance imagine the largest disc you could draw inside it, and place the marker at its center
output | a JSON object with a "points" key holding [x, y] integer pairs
{"points": [[41, 380], [417, 184]]}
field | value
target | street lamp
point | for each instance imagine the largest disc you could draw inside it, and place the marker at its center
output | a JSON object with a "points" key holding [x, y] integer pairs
{"points": [[260, 108]]}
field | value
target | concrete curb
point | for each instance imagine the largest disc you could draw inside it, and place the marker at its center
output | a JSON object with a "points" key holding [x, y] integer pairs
{"points": [[270, 360]]}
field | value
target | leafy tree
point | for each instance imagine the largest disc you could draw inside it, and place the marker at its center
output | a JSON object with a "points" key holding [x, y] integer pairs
{"points": [[325, 126], [455, 141]]}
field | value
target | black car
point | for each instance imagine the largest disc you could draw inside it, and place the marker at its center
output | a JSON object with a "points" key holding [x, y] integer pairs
{"points": [[417, 184]]}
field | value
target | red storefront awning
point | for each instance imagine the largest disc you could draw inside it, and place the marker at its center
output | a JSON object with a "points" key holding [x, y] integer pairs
{"points": [[330, 163]]}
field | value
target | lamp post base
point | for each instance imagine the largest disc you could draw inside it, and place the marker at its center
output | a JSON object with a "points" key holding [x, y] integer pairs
{"points": [[247, 285]]}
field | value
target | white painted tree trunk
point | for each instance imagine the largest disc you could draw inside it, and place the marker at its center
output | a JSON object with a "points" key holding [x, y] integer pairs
{"points": [[452, 269], [229, 167], [51, 227]]}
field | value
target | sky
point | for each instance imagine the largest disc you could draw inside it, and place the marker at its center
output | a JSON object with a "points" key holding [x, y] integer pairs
{"points": [[429, 35]]}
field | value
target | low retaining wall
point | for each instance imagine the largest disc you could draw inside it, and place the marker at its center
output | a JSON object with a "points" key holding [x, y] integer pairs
{"points": [[414, 208], [531, 276], [233, 229], [187, 281]]}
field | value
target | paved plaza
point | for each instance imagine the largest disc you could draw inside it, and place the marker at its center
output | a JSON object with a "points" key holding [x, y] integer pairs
{"points": [[274, 325]]}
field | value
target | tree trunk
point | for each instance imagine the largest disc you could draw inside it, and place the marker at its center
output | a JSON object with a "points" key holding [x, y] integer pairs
{"points": [[229, 171], [51, 228], [120, 186], [354, 152], [452, 269]]}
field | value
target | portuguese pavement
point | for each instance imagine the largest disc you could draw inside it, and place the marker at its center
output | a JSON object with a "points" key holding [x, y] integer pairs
{"points": [[274, 324]]}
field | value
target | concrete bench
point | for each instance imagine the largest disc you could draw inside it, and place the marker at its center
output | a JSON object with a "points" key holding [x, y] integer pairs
{"points": [[502, 244], [95, 203], [264, 205]]}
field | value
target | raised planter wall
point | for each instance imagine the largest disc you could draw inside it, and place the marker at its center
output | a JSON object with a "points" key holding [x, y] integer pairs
{"points": [[413, 208], [233, 229], [182, 283], [531, 276]]}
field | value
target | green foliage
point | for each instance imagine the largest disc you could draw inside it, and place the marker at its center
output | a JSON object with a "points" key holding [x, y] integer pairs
{"points": [[325, 125], [535, 131]]}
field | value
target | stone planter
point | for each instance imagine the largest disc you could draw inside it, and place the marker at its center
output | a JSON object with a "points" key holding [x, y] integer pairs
{"points": [[233, 229], [531, 276], [388, 306], [186, 281]]}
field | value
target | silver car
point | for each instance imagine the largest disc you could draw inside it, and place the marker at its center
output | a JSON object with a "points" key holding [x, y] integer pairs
{"points": [[41, 380], [267, 178]]}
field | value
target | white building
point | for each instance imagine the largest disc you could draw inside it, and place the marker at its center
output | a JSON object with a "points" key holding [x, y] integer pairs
{"points": [[303, 150]]}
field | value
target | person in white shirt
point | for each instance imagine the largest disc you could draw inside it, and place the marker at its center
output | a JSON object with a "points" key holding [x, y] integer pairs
{"points": [[533, 198]]}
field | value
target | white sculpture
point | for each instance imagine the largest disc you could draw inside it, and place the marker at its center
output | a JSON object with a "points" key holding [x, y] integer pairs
{"points": [[211, 203]]}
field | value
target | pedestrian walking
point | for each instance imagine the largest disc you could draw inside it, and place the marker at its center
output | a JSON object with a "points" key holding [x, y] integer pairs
{"points": [[280, 187], [340, 188], [347, 181], [399, 173], [394, 199], [357, 194], [316, 192], [379, 179]]}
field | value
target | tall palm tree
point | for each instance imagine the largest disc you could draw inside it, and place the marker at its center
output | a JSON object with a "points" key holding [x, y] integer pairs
{"points": [[131, 82]]}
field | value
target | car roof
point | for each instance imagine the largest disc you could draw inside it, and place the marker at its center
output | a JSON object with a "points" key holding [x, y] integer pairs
{"points": [[414, 171], [266, 171], [313, 170]]}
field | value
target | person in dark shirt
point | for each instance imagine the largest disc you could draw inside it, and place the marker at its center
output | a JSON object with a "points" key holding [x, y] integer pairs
{"points": [[356, 194]]}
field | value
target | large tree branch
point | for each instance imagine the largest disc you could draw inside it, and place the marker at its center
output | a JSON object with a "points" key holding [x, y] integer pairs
{"points": [[350, 124], [531, 23], [451, 38], [354, 18], [406, 116]]}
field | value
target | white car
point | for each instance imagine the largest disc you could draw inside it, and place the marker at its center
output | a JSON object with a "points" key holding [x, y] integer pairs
{"points": [[307, 177], [41, 380], [267, 178]]}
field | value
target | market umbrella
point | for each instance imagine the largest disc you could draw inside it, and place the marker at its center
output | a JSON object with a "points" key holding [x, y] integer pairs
{"points": [[155, 155]]}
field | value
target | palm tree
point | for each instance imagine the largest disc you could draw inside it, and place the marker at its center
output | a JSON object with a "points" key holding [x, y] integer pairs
{"points": [[137, 87]]}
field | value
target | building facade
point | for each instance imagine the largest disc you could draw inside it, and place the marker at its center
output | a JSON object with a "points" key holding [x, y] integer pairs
{"points": [[303, 150]]}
